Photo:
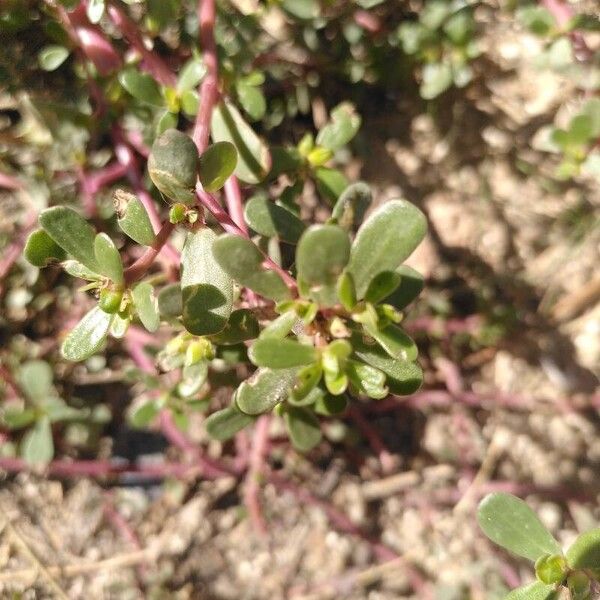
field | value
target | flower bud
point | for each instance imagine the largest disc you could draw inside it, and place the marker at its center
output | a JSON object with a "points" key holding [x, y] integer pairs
{"points": [[551, 568], [173, 166], [177, 213], [110, 300]]}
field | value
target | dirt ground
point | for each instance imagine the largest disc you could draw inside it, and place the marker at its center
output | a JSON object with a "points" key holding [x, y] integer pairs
{"points": [[510, 343]]}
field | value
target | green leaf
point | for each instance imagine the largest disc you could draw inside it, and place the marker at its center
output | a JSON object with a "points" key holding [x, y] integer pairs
{"points": [[193, 378], [302, 9], [173, 166], [329, 405], [133, 218], [57, 410], [143, 414], [190, 102], [303, 428], [330, 183], [365, 379], [243, 261], [351, 206], [402, 377], [40, 249], [108, 258], [281, 354], [592, 109], [323, 252], [207, 289], [342, 127], [254, 160], [167, 120], [146, 306], [385, 240], [88, 335], [72, 233], [346, 291], [395, 342], [76, 269], [411, 285], [37, 446], [264, 390], [224, 424], [434, 13], [271, 220], [216, 165], [584, 553], [510, 523], [95, 10], [141, 86], [437, 78], [242, 326], [537, 19], [281, 326], [119, 326], [190, 75], [35, 379], [170, 301], [382, 285], [13, 418], [534, 591], [306, 381], [51, 57], [252, 100]]}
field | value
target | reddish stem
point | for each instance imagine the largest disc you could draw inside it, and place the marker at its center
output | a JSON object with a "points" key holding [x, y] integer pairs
{"points": [[260, 442], [151, 62], [141, 266], [235, 207]]}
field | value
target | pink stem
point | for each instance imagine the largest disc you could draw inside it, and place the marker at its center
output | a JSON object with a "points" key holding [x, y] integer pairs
{"points": [[140, 267], [260, 442], [98, 179], [233, 198], [151, 62]]}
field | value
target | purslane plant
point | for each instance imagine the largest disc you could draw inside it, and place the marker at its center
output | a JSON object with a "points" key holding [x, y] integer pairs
{"points": [[509, 522], [320, 324]]}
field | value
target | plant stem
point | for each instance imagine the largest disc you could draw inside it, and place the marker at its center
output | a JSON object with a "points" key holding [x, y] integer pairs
{"points": [[233, 198], [260, 442], [151, 62], [141, 266]]}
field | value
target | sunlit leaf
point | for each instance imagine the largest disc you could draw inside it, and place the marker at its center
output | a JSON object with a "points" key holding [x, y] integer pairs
{"points": [[509, 522], [40, 249], [143, 414], [146, 306], [216, 164], [584, 553], [192, 379], [72, 233], [252, 100], [95, 10], [224, 424], [207, 289], [108, 258], [141, 86], [351, 206], [384, 241], [330, 183], [270, 220], [254, 160], [534, 591], [395, 342], [281, 354], [278, 328], [51, 57], [264, 390], [303, 428], [133, 218], [190, 75], [437, 78], [342, 127], [88, 336], [382, 285]]}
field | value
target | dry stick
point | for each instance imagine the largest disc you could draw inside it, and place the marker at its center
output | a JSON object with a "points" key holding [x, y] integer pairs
{"points": [[260, 442], [24, 547], [73, 570]]}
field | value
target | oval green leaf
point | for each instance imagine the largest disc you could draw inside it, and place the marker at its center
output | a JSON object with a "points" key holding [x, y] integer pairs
{"points": [[384, 241], [108, 258], [303, 428], [534, 591], [271, 220], [141, 86], [146, 306], [72, 233], [88, 335], [37, 446], [207, 289], [264, 390], [281, 354], [40, 249], [584, 553], [133, 218], [509, 522], [342, 127], [330, 183], [243, 261], [323, 252], [411, 285], [224, 424], [382, 285], [242, 326], [35, 379], [51, 57], [216, 165], [254, 159]]}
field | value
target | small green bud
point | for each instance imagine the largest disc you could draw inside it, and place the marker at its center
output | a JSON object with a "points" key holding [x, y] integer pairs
{"points": [[172, 98], [197, 350], [177, 213], [579, 585], [306, 144], [551, 568], [173, 166], [110, 300], [319, 156]]}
